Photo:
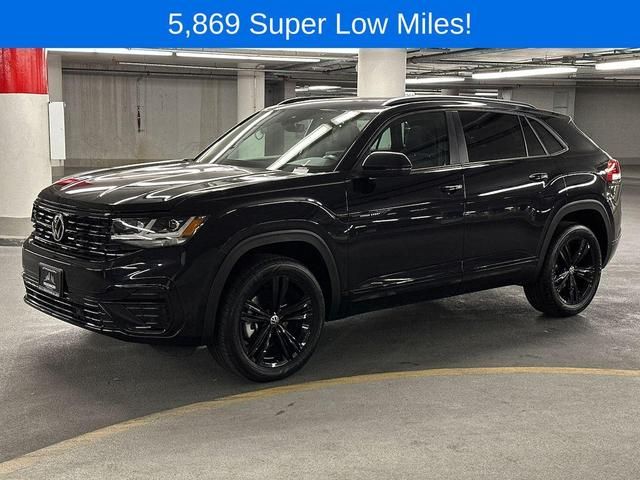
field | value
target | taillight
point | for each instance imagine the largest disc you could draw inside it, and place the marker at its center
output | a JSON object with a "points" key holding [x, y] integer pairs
{"points": [[613, 171], [67, 181]]}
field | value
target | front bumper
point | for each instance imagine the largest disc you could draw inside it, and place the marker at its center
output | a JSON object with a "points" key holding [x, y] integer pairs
{"points": [[146, 296]]}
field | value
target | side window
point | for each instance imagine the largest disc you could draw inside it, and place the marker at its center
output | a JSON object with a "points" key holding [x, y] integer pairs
{"points": [[550, 142], [534, 147], [422, 137], [492, 136], [383, 142]]}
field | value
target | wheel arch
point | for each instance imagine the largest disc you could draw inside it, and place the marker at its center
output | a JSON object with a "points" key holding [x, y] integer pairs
{"points": [[590, 213], [275, 242]]}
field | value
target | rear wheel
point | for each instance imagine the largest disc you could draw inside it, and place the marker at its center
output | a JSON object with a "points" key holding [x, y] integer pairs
{"points": [[271, 319], [570, 275]]}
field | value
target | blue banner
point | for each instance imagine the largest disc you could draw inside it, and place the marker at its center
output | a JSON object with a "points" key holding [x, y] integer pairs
{"points": [[353, 23]]}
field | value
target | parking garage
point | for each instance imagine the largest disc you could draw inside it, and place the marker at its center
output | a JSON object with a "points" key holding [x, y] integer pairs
{"points": [[475, 385]]}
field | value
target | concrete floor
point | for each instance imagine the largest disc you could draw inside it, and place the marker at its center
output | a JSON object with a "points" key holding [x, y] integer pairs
{"points": [[58, 382]]}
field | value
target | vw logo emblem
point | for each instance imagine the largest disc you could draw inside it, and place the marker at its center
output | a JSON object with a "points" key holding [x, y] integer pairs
{"points": [[57, 227]]}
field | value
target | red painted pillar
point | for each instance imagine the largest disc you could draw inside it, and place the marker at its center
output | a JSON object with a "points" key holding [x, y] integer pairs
{"points": [[25, 167], [23, 70]]}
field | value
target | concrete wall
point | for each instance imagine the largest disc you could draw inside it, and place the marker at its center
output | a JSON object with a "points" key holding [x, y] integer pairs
{"points": [[178, 117], [611, 116], [555, 99]]}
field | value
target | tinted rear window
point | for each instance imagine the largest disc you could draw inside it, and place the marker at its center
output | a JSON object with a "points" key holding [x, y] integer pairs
{"points": [[576, 140], [492, 136]]}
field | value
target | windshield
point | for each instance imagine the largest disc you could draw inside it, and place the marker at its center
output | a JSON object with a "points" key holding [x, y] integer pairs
{"points": [[293, 140]]}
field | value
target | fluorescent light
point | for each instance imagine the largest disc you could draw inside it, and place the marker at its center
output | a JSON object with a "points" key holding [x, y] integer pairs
{"points": [[486, 94], [342, 51], [114, 51], [528, 72], [428, 80], [318, 88], [324, 87], [622, 65], [252, 58]]}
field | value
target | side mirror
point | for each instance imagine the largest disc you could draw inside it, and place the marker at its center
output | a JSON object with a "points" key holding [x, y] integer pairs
{"points": [[386, 164]]}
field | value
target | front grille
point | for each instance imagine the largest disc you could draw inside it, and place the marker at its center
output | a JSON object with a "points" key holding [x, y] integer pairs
{"points": [[87, 235], [85, 311]]}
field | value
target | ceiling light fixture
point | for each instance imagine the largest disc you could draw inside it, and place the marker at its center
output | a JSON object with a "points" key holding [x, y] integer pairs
{"points": [[430, 80], [250, 58], [621, 65], [114, 51], [528, 72], [341, 51], [323, 87], [318, 88]]}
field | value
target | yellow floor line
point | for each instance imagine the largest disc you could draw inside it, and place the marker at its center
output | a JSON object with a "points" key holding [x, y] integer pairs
{"points": [[29, 459]]}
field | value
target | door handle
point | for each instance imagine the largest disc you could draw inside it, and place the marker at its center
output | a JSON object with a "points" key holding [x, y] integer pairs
{"points": [[539, 177], [451, 188]]}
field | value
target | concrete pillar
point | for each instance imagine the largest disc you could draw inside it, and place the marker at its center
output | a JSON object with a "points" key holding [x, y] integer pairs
{"points": [[250, 90], [382, 72], [278, 90], [56, 115], [24, 136], [289, 89], [54, 77]]}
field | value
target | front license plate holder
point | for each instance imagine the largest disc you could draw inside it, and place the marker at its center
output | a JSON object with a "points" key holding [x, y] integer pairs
{"points": [[51, 279]]}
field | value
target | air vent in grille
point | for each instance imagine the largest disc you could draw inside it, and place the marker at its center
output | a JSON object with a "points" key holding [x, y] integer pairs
{"points": [[86, 311], [86, 235], [149, 317]]}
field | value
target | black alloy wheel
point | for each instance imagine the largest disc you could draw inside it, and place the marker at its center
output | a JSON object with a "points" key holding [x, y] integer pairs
{"points": [[570, 274], [275, 323], [574, 272], [271, 319]]}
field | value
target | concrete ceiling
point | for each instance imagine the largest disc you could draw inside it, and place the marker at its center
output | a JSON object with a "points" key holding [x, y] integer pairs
{"points": [[338, 66]]}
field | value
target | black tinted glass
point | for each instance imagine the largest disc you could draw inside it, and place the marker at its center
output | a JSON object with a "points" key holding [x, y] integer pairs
{"points": [[550, 142], [533, 144], [492, 136], [422, 137]]}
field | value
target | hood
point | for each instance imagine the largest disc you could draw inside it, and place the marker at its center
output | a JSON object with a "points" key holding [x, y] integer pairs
{"points": [[155, 183]]}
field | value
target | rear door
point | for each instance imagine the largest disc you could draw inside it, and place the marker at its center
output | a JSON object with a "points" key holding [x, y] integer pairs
{"points": [[406, 231], [512, 180]]}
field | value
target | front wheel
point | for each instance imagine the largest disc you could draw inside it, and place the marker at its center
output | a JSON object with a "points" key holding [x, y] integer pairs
{"points": [[271, 319], [570, 275]]}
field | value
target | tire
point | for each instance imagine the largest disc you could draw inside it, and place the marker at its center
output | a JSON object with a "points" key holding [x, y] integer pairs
{"points": [[570, 274], [270, 320]]}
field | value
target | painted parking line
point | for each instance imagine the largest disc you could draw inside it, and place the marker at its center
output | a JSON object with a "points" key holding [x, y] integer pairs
{"points": [[43, 454]]}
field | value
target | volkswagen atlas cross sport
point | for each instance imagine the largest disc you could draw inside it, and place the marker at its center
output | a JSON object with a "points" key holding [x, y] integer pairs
{"points": [[313, 210]]}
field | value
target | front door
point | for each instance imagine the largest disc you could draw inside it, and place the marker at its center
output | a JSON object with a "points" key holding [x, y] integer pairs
{"points": [[407, 231]]}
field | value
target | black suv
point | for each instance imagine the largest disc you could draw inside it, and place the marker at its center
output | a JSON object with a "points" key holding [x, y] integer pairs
{"points": [[317, 209]]}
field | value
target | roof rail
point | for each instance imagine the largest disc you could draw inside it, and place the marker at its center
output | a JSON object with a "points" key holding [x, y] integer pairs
{"points": [[288, 101], [435, 98]]}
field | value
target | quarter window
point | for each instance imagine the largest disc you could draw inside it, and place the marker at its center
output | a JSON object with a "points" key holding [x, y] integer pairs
{"points": [[550, 142], [492, 136], [422, 137], [533, 144]]}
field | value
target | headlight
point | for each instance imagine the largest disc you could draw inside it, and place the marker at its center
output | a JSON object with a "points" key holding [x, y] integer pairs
{"points": [[155, 232]]}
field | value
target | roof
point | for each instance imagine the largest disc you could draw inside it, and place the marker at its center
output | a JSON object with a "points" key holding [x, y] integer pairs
{"points": [[359, 103]]}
